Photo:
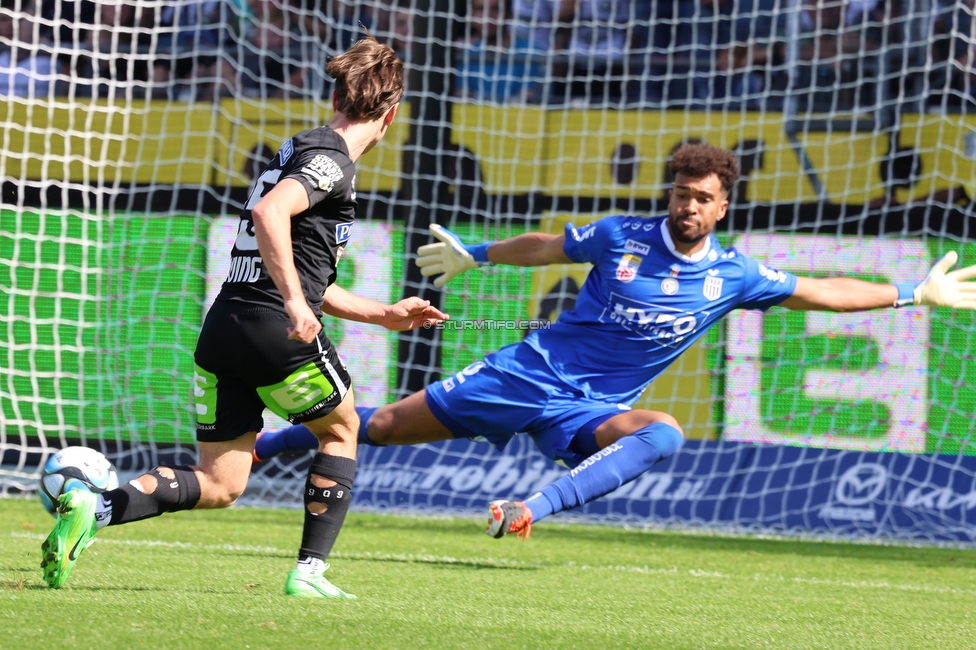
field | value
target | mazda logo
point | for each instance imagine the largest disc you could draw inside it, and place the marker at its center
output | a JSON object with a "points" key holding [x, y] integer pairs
{"points": [[861, 484]]}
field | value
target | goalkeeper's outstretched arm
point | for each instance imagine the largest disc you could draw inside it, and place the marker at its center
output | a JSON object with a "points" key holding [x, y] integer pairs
{"points": [[450, 256], [940, 288], [530, 249]]}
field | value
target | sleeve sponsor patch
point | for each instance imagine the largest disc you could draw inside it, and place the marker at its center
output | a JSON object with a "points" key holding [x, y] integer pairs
{"points": [[285, 152], [584, 233], [772, 274], [343, 232], [323, 172]]}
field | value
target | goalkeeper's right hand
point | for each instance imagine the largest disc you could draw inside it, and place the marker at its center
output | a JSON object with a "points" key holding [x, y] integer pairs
{"points": [[449, 257], [947, 289]]}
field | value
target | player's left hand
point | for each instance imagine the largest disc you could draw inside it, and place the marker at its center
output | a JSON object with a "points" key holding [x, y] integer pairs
{"points": [[448, 257], [944, 288], [411, 313]]}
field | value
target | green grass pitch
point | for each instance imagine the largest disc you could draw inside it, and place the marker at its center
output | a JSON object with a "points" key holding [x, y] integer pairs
{"points": [[214, 580]]}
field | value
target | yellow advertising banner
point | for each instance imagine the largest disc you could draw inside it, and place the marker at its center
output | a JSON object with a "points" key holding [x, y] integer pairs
{"points": [[623, 154]]}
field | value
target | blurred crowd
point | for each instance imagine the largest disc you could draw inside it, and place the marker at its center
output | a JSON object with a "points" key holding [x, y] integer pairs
{"points": [[826, 55]]}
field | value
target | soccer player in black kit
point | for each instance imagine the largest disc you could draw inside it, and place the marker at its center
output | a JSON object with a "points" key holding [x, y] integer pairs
{"points": [[262, 343]]}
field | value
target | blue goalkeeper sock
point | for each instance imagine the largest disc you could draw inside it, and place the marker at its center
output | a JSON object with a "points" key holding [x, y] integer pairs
{"points": [[294, 438], [606, 470], [364, 415]]}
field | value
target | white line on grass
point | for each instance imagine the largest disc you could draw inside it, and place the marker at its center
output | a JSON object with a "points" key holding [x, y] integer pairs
{"points": [[504, 562]]}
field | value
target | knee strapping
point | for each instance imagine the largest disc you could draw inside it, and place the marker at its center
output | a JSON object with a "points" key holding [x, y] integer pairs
{"points": [[334, 468], [663, 437], [180, 492]]}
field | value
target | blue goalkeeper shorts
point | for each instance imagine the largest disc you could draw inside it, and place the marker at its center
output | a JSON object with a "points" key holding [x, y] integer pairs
{"points": [[488, 400]]}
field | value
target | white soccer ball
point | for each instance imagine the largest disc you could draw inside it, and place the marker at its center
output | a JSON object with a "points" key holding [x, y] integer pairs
{"points": [[75, 468]]}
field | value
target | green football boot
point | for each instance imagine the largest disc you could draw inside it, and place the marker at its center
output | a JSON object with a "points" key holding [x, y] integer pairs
{"points": [[312, 585], [72, 534]]}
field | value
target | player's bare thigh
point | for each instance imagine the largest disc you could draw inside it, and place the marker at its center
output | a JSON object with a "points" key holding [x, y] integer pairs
{"points": [[630, 422], [407, 422]]}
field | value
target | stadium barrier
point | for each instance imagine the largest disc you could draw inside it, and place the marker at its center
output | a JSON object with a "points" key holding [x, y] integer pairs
{"points": [[709, 485]]}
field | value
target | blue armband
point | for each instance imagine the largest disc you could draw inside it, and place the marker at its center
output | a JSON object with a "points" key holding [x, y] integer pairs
{"points": [[479, 252], [906, 294]]}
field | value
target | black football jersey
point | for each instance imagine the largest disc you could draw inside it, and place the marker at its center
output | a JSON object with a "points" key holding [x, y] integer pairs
{"points": [[319, 160]]}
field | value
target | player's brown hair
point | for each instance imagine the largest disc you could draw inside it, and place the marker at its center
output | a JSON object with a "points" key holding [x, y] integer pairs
{"points": [[368, 80], [698, 160]]}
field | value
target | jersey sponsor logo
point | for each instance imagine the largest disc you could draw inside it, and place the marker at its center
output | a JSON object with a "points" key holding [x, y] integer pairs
{"points": [[712, 271], [343, 232], [663, 325], [772, 274], [627, 268], [244, 269], [285, 151], [637, 247], [669, 286], [712, 289], [584, 233], [324, 172]]}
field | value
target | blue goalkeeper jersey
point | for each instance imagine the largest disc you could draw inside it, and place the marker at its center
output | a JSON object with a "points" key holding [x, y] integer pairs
{"points": [[644, 303]]}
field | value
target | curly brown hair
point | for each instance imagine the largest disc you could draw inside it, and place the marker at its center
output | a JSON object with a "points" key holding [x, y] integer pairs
{"points": [[698, 160], [368, 80]]}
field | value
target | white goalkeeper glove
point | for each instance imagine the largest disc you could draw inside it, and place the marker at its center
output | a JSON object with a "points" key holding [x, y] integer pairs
{"points": [[942, 289], [450, 256]]}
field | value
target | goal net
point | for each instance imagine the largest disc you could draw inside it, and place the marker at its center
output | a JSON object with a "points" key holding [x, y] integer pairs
{"points": [[132, 133]]}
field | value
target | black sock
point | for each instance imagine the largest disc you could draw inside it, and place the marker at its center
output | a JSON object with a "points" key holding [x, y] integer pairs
{"points": [[130, 503], [321, 531]]}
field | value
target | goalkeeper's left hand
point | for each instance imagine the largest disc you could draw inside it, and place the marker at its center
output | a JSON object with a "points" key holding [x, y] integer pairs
{"points": [[944, 288], [449, 257], [410, 313]]}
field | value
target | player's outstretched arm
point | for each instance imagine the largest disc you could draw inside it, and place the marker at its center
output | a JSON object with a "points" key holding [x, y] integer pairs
{"points": [[407, 314], [450, 256], [940, 288]]}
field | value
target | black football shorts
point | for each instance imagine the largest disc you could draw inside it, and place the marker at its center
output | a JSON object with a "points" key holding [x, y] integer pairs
{"points": [[246, 362]]}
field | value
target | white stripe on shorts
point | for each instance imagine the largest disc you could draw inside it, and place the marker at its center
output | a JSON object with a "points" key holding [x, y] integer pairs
{"points": [[332, 371]]}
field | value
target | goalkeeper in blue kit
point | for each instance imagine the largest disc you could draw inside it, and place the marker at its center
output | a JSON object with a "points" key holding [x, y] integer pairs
{"points": [[656, 286]]}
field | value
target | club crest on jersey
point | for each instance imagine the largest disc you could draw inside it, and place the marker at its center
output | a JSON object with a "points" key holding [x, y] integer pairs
{"points": [[285, 151], [343, 232], [637, 247], [627, 268], [669, 286], [712, 289], [323, 171]]}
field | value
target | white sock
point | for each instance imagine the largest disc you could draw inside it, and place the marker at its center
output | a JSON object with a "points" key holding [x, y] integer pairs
{"points": [[103, 512], [311, 565]]}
